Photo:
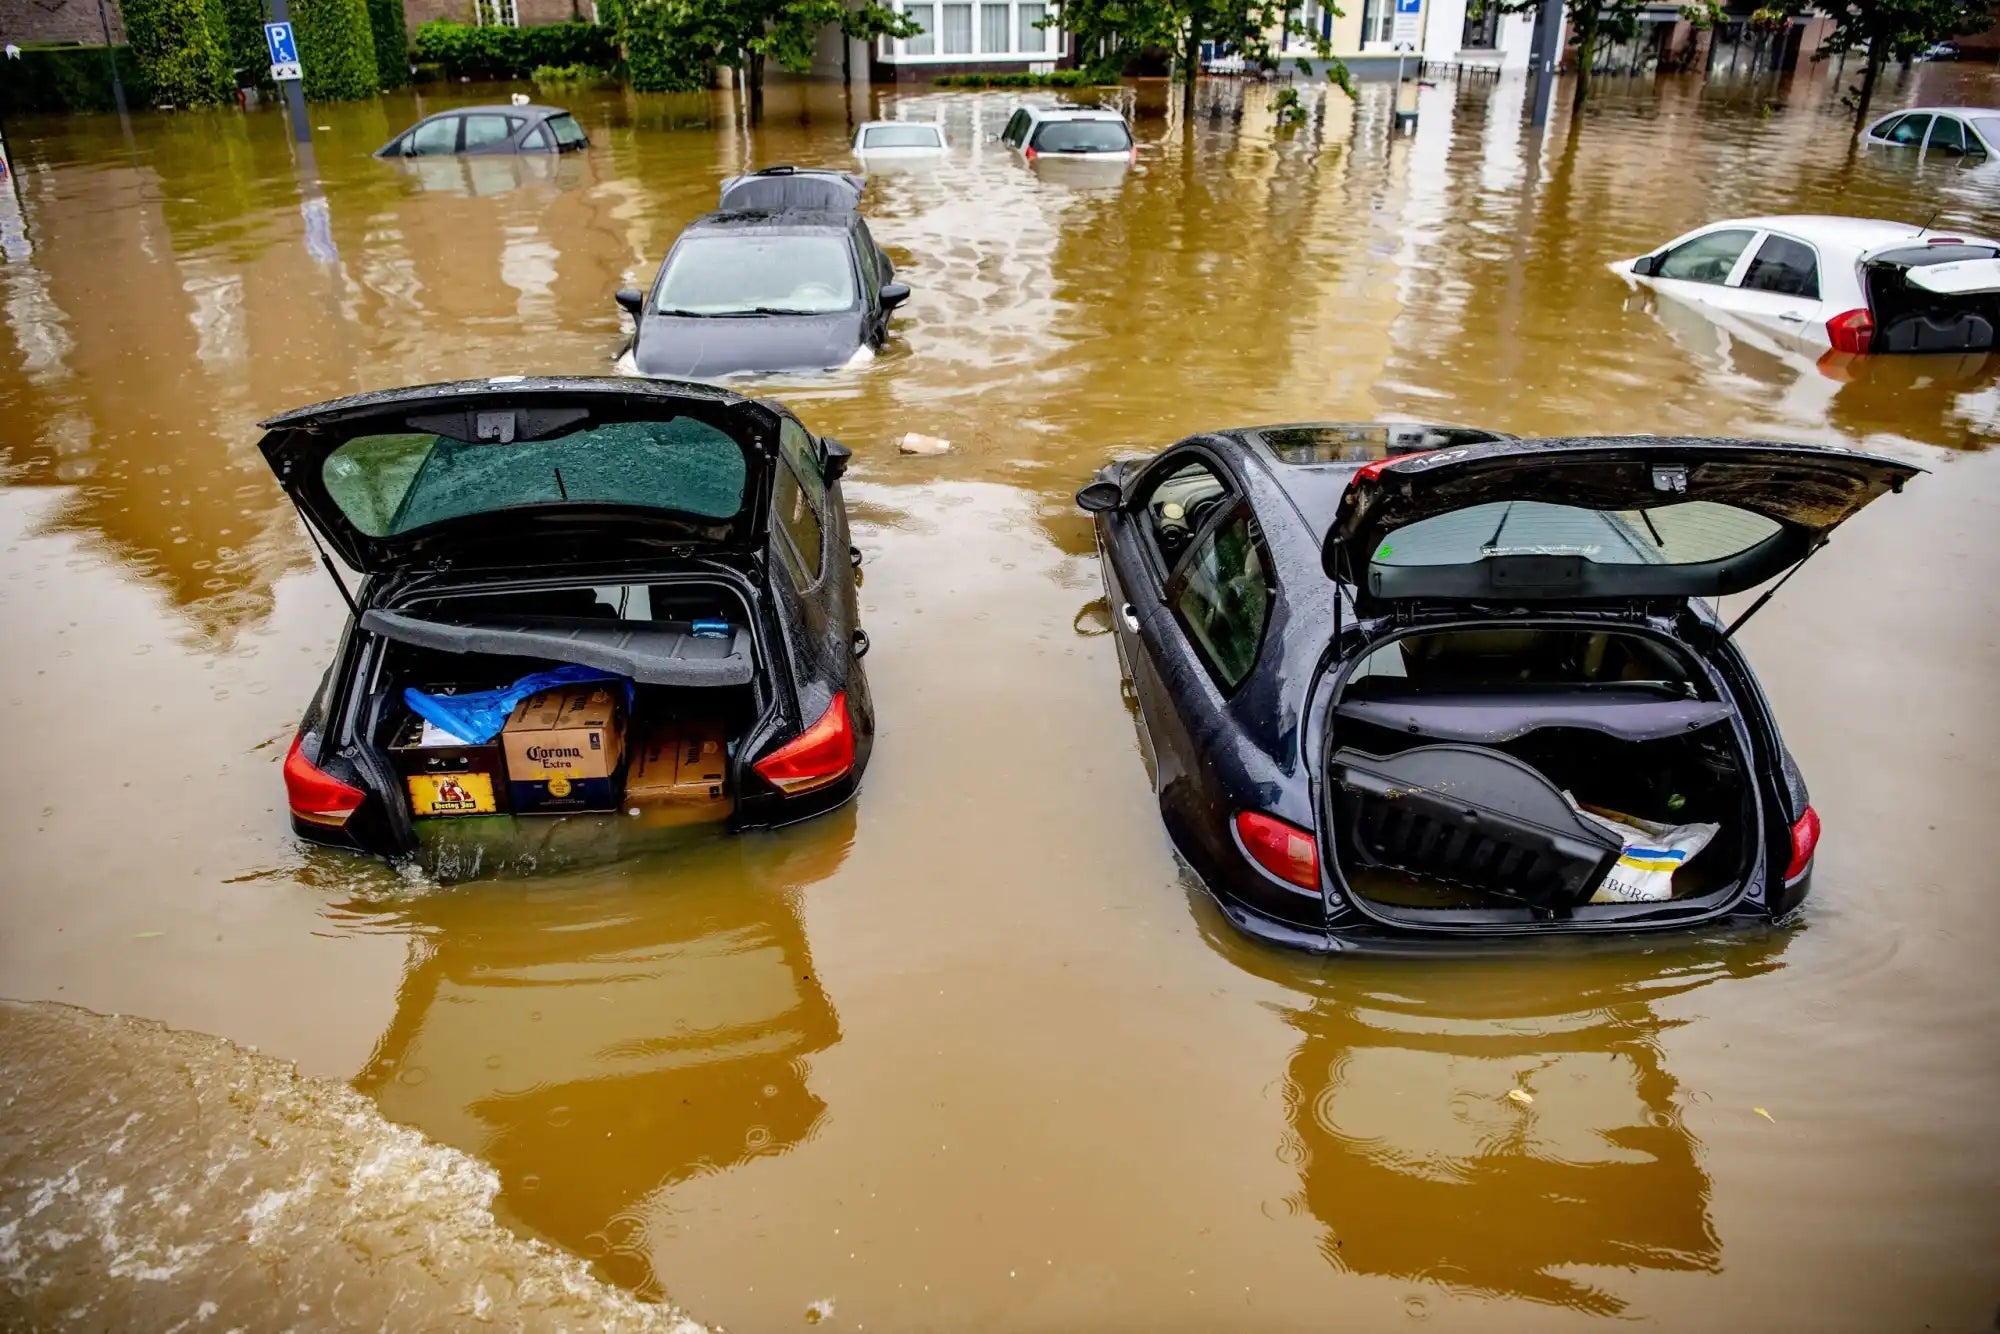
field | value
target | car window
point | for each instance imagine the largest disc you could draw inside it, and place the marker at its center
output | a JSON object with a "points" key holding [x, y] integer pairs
{"points": [[1179, 503], [798, 498], [1909, 130], [433, 137], [1082, 136], [486, 131], [1784, 266], [568, 133], [768, 272], [1707, 258], [392, 484], [540, 140], [1947, 137], [1988, 128], [1883, 130], [871, 276], [1224, 597], [1691, 532], [901, 136]]}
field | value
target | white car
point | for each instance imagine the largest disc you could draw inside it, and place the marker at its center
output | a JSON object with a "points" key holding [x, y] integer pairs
{"points": [[1953, 131], [1083, 134], [880, 140], [1821, 284]]}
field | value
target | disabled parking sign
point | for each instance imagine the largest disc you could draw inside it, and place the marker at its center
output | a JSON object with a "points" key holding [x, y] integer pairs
{"points": [[1408, 17], [284, 51]]}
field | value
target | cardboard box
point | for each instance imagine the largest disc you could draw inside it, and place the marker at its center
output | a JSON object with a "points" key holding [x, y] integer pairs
{"points": [[565, 749], [445, 775], [679, 774]]}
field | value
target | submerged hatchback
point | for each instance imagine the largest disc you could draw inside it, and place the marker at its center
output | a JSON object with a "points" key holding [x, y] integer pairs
{"points": [[1407, 686], [687, 541]]}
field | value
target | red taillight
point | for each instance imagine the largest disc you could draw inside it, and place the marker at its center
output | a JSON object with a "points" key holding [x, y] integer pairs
{"points": [[822, 754], [1851, 330], [1285, 850], [1030, 154], [315, 795], [1805, 838]]}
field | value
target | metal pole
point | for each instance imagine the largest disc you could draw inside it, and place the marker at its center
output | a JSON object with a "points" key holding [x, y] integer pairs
{"points": [[1547, 54], [111, 54], [295, 94]]}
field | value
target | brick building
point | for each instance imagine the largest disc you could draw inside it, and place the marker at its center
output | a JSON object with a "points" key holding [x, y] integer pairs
{"points": [[30, 21]]}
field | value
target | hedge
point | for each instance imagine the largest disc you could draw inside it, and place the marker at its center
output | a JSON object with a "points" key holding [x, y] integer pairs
{"points": [[336, 49], [658, 42], [70, 78], [392, 42], [243, 21], [497, 52], [182, 45], [1062, 78]]}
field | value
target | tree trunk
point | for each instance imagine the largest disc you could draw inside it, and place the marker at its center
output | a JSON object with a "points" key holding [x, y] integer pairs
{"points": [[1190, 67], [1868, 73], [756, 78], [1586, 52]]}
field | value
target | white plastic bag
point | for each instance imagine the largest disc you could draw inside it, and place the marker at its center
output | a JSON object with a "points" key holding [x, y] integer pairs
{"points": [[1644, 871]]}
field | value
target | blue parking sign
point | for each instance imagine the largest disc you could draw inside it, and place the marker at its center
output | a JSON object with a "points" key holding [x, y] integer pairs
{"points": [[284, 49]]}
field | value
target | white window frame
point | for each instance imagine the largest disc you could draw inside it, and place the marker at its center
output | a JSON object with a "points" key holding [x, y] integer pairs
{"points": [[1056, 42], [496, 13]]}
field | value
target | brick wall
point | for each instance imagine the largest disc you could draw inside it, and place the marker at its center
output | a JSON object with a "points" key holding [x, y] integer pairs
{"points": [[532, 13], [25, 21]]}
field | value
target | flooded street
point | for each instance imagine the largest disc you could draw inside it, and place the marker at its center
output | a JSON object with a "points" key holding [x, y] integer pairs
{"points": [[972, 1052]]}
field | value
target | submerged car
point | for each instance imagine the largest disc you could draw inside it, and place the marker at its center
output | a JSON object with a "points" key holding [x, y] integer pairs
{"points": [[896, 140], [1828, 284], [1070, 133], [508, 129], [745, 293], [1952, 131], [686, 540], [1394, 679], [791, 190]]}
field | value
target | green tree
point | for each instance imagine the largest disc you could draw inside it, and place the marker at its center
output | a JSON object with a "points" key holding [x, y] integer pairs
{"points": [[1257, 29], [182, 48], [336, 49], [1897, 28], [392, 42], [666, 40], [251, 59]]}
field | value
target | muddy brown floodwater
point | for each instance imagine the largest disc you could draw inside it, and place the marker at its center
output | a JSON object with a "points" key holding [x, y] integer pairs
{"points": [[971, 1053]]}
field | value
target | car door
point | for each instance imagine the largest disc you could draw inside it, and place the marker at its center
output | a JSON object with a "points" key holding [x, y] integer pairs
{"points": [[1166, 513], [1778, 290], [1951, 138], [1700, 269], [433, 138], [1909, 132], [490, 132]]}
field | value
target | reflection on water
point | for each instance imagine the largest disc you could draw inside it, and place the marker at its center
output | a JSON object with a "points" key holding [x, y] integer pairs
{"points": [[598, 1043]]}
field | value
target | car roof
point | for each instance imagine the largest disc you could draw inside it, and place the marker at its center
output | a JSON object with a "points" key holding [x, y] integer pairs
{"points": [[530, 111], [758, 220], [1855, 234], [1072, 113], [1952, 111], [898, 124]]}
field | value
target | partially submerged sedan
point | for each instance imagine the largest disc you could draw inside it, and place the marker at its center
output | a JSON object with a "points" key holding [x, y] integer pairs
{"points": [[1412, 685], [687, 545], [1827, 284], [479, 130], [744, 293]]}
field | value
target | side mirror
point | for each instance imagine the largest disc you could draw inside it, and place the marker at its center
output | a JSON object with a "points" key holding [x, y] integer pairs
{"points": [[633, 300], [833, 463], [894, 295], [1647, 265], [1099, 497]]}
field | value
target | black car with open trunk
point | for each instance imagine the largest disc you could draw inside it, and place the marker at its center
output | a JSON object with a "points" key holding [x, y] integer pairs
{"points": [[1407, 686], [683, 547]]}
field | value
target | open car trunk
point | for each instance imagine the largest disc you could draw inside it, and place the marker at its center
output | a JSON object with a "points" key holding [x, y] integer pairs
{"points": [[1933, 298], [1458, 760], [678, 654]]}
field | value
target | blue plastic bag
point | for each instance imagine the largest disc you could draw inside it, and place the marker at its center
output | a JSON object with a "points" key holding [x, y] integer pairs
{"points": [[480, 715]]}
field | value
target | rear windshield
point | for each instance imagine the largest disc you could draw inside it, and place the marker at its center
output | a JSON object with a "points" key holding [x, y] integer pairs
{"points": [[1689, 533], [568, 133], [1082, 136], [751, 273], [387, 485], [1362, 443], [901, 136]]}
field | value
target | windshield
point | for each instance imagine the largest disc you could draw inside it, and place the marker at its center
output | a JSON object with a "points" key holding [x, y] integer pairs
{"points": [[902, 136], [568, 133], [1691, 532], [758, 273], [388, 485], [1082, 136]]}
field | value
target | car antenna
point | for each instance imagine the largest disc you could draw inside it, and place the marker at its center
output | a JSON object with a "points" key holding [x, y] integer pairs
{"points": [[327, 561], [1928, 221]]}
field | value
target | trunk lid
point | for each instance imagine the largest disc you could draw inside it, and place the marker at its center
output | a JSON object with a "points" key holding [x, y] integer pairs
{"points": [[1592, 520], [516, 474]]}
